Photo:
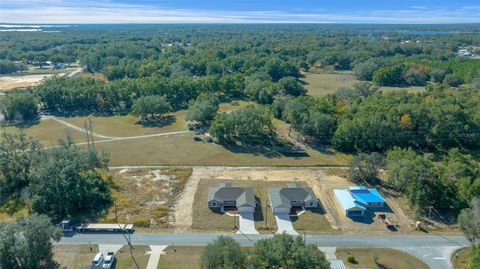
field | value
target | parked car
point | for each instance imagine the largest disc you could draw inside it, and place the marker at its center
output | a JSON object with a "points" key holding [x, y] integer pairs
{"points": [[109, 260], [97, 261]]}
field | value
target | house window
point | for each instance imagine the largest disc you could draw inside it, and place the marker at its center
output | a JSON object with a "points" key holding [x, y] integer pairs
{"points": [[311, 203], [214, 204]]}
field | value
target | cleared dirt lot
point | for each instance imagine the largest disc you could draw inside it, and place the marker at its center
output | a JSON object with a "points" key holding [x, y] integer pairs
{"points": [[321, 183], [145, 197]]}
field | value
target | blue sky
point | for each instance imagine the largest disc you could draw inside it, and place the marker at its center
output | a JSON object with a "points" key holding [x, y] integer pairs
{"points": [[239, 11]]}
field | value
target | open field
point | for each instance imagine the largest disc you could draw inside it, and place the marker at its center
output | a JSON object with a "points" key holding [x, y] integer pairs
{"points": [[181, 258], [326, 83], [180, 149], [13, 82], [158, 189], [388, 258], [460, 259], [73, 256], [127, 125], [48, 132], [125, 261]]}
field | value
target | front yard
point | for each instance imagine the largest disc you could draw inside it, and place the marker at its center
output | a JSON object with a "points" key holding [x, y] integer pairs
{"points": [[208, 220]]}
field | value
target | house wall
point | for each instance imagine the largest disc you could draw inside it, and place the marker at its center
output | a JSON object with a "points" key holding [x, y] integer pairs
{"points": [[214, 204], [311, 203], [376, 205], [354, 213]]}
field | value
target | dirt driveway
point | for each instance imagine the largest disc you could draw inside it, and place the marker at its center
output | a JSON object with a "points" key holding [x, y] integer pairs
{"points": [[321, 184]]}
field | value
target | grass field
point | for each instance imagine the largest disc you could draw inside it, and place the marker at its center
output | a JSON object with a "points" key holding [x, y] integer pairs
{"points": [[182, 150], [121, 126], [388, 258], [48, 132], [181, 258], [326, 83], [460, 259], [125, 261], [206, 219], [73, 256]]}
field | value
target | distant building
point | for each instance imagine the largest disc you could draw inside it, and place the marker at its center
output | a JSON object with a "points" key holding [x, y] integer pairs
{"points": [[283, 199], [225, 195], [465, 52], [59, 66], [356, 200]]}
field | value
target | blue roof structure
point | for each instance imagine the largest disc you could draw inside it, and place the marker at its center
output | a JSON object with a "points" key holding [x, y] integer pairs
{"points": [[347, 201], [366, 195]]}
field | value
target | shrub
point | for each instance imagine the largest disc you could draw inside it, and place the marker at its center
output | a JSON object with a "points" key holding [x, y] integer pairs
{"points": [[351, 259]]}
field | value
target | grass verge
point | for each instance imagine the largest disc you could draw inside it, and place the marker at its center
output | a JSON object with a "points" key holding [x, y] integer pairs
{"points": [[460, 259], [73, 256], [181, 258], [387, 258]]}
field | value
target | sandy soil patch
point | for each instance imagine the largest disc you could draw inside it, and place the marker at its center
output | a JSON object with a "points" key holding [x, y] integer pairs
{"points": [[12, 82]]}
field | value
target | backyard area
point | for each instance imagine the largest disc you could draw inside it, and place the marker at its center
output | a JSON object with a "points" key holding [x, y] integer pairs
{"points": [[387, 258]]}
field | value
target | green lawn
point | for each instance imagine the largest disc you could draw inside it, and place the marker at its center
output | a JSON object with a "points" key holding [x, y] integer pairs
{"points": [[73, 256], [206, 219], [181, 258], [183, 150], [140, 257], [121, 126], [325, 83], [388, 258], [312, 222], [48, 132]]}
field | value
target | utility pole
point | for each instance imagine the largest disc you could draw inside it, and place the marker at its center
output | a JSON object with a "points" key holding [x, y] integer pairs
{"points": [[116, 215], [266, 214]]}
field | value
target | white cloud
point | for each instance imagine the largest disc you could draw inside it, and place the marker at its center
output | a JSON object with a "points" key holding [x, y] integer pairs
{"points": [[108, 11]]}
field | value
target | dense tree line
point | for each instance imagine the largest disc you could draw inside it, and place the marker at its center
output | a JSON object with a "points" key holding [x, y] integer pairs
{"points": [[27, 242], [247, 126], [58, 180], [469, 222], [281, 251]]}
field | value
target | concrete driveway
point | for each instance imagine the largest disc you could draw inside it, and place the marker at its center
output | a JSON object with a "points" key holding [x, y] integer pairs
{"points": [[247, 224], [284, 224]]}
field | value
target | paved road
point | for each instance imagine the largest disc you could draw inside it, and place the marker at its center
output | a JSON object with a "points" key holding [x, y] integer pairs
{"points": [[434, 250], [75, 72]]}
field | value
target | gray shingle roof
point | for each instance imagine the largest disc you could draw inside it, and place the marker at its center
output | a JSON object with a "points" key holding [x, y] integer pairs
{"points": [[242, 196], [282, 197]]}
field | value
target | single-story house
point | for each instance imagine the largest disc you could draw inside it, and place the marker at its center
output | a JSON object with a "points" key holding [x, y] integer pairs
{"points": [[225, 195], [283, 199], [356, 200]]}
